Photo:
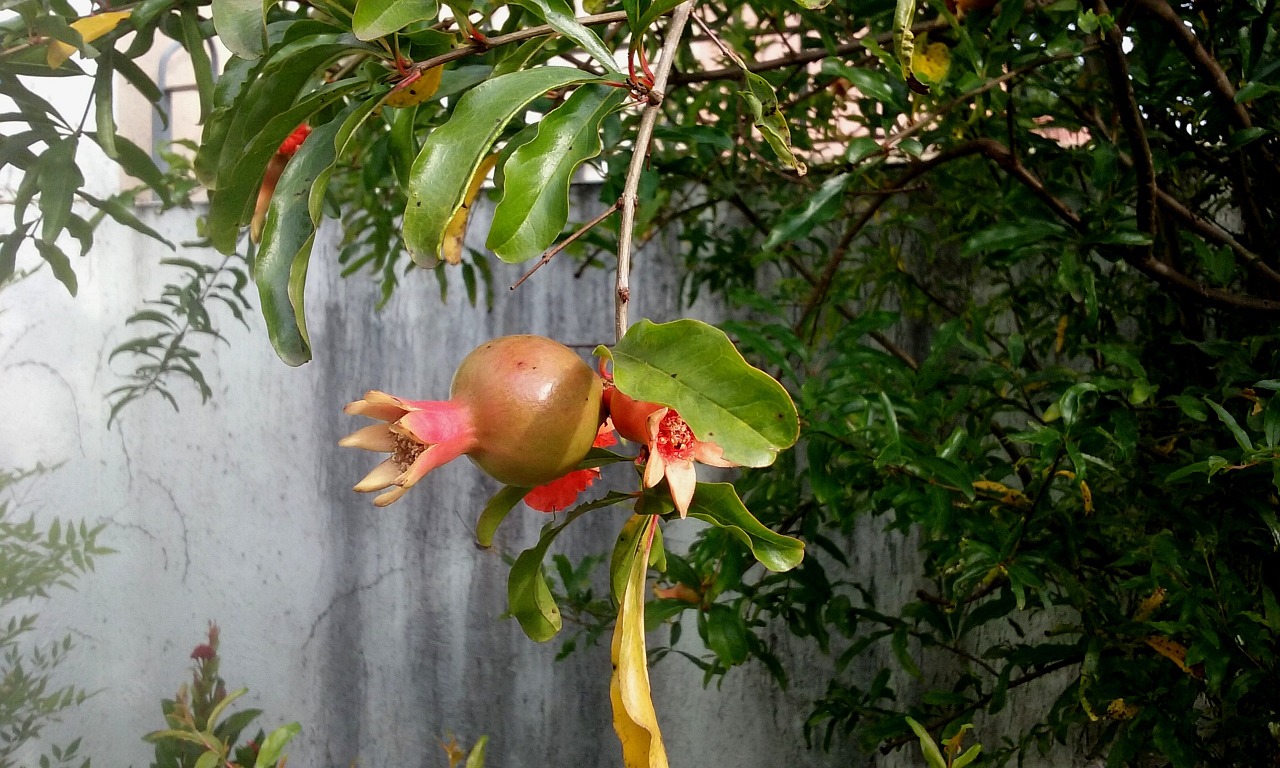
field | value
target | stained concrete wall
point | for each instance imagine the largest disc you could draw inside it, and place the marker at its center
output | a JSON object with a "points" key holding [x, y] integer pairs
{"points": [[378, 630]]}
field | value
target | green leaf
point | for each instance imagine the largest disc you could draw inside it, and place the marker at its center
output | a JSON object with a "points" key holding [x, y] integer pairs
{"points": [[770, 121], [60, 265], [231, 205], [123, 214], [624, 551], [694, 368], [726, 634], [656, 10], [256, 93], [1229, 421], [500, 504], [932, 755], [377, 18], [535, 199], [870, 83], [58, 178], [451, 154], [967, 757], [1246, 136], [559, 16], [818, 208], [269, 752], [209, 759], [104, 115], [475, 758], [1005, 237], [904, 40], [216, 713], [860, 149], [529, 598], [242, 25], [718, 504], [288, 235], [194, 41]]}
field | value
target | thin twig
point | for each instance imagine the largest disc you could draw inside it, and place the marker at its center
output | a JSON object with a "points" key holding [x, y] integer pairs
{"points": [[558, 247], [463, 51], [640, 152], [803, 57]]}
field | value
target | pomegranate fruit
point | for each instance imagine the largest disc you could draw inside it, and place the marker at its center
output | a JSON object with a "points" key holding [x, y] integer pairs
{"points": [[524, 408]]}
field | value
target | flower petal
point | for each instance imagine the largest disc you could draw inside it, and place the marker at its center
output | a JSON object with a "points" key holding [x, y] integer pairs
{"points": [[390, 497], [682, 479], [375, 437], [439, 421], [710, 454], [435, 456], [561, 493], [375, 409], [604, 435], [654, 424], [654, 468], [383, 475]]}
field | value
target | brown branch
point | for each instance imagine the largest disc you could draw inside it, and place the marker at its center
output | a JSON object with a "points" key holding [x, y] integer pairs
{"points": [[1131, 118], [558, 247], [1185, 38], [803, 57], [463, 51], [1140, 257], [1210, 230], [640, 153]]}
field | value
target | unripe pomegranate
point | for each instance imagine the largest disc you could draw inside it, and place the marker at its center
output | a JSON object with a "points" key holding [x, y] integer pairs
{"points": [[536, 407], [524, 408]]}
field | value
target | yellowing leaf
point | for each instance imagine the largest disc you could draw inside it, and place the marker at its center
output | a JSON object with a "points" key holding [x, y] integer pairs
{"points": [[1120, 710], [409, 93], [930, 62], [1004, 494], [456, 231], [634, 717], [1175, 652], [1150, 604], [1086, 495], [90, 28]]}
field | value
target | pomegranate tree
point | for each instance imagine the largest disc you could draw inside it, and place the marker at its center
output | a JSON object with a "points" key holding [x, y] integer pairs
{"points": [[524, 408]]}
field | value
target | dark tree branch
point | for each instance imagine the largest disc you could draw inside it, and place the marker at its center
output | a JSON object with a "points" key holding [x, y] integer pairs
{"points": [[1190, 45], [1112, 43]]}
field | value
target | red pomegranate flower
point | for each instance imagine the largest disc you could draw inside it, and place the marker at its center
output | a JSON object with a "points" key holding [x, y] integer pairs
{"points": [[671, 447]]}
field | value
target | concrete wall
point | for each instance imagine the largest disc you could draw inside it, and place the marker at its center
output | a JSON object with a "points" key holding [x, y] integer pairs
{"points": [[378, 630]]}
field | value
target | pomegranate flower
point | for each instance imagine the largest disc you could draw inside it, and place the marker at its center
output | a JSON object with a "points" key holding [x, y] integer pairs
{"points": [[420, 435], [562, 493], [670, 445], [672, 449]]}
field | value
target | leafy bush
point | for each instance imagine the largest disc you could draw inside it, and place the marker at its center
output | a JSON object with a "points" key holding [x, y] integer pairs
{"points": [[35, 561]]}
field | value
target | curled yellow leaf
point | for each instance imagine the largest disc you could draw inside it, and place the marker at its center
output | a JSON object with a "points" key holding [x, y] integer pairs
{"points": [[1175, 652], [634, 717], [90, 28], [1149, 605], [930, 62], [415, 91], [456, 231]]}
